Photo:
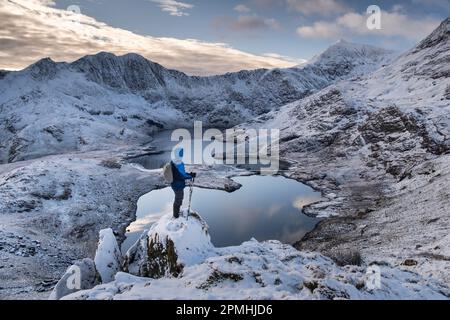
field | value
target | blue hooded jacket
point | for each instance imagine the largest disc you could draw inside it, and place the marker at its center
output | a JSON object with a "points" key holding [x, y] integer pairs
{"points": [[179, 172]]}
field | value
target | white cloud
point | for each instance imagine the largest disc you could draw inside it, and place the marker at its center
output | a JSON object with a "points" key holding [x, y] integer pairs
{"points": [[242, 8], [44, 2], [30, 31], [321, 29], [174, 8], [286, 58], [273, 24], [247, 23], [321, 7], [393, 23]]}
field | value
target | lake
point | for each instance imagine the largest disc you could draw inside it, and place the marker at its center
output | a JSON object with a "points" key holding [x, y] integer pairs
{"points": [[265, 208]]}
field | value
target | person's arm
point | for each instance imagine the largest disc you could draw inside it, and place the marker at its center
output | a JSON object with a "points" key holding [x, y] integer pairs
{"points": [[183, 172]]}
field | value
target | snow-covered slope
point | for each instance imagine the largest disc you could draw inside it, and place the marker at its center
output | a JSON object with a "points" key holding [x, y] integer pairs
{"points": [[53, 208], [377, 147], [104, 100], [376, 144], [253, 270], [344, 57]]}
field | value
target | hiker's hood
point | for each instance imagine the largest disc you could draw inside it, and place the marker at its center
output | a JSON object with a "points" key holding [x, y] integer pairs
{"points": [[177, 155]]}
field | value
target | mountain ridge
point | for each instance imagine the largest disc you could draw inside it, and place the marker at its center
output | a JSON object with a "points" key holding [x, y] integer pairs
{"points": [[130, 97]]}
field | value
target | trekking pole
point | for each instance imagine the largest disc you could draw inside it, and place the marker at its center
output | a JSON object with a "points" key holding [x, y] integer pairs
{"points": [[191, 190]]}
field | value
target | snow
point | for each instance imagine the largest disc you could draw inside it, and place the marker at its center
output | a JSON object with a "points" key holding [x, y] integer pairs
{"points": [[254, 270], [154, 256], [80, 276], [107, 257], [54, 207], [379, 142], [368, 128], [103, 100]]}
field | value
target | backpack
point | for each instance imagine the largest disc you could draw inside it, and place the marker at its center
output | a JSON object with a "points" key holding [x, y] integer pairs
{"points": [[168, 173]]}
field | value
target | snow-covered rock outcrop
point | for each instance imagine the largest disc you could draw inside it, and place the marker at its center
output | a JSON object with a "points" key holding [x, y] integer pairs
{"points": [[253, 270], [87, 273], [108, 257], [169, 247], [82, 275]]}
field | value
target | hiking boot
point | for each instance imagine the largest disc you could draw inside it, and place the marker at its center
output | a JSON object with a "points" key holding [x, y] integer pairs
{"points": [[176, 211]]}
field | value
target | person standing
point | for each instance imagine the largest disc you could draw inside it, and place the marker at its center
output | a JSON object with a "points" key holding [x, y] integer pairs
{"points": [[179, 180]]}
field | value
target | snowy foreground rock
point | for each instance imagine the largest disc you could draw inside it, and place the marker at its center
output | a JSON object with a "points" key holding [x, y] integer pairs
{"points": [[176, 260], [88, 273]]}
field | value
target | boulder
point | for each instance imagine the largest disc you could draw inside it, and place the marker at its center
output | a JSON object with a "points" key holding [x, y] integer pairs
{"points": [[169, 246], [80, 276], [108, 256]]}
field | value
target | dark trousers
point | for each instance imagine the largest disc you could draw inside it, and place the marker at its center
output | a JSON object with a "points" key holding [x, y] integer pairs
{"points": [[179, 196]]}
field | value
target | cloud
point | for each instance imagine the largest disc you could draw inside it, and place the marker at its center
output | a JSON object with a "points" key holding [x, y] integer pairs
{"points": [[30, 31], [242, 8], [273, 24], [267, 3], [306, 7], [321, 7], [296, 61], [320, 29], [43, 2], [393, 23], [247, 23], [174, 8]]}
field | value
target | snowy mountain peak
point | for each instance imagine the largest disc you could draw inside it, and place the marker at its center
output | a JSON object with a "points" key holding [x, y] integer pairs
{"points": [[342, 41], [428, 60], [126, 94], [130, 71], [344, 50], [110, 57], [346, 59], [45, 68], [439, 36]]}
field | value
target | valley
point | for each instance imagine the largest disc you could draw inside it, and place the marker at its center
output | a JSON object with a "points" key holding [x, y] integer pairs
{"points": [[367, 128]]}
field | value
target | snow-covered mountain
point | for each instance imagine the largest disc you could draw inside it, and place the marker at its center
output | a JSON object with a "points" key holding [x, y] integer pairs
{"points": [[103, 99], [376, 144], [378, 148]]}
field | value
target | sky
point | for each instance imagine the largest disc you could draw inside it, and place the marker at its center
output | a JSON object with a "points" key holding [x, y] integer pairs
{"points": [[203, 37]]}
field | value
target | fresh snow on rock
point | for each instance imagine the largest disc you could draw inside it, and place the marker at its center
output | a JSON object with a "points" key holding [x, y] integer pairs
{"points": [[80, 276], [154, 255], [254, 270], [107, 257]]}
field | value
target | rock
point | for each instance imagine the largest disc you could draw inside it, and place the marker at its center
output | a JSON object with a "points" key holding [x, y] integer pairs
{"points": [[107, 257], [447, 93], [55, 132], [80, 276], [111, 164], [169, 247], [409, 263], [266, 270]]}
